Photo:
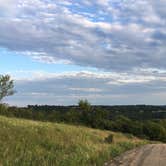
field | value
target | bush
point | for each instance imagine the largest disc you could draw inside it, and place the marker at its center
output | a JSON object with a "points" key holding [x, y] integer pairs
{"points": [[154, 131], [110, 138], [126, 145], [129, 136]]}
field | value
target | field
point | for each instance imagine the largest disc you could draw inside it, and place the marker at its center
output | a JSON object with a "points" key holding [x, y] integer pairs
{"points": [[26, 142]]}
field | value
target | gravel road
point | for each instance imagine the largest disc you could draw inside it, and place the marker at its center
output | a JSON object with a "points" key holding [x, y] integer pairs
{"points": [[148, 155]]}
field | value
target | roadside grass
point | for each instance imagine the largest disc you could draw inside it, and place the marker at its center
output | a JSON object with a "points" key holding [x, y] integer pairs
{"points": [[26, 142]]}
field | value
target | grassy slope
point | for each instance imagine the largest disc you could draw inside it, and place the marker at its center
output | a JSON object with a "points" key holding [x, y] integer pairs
{"points": [[25, 142]]}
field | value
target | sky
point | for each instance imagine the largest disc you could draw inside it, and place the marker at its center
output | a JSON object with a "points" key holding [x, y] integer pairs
{"points": [[111, 52]]}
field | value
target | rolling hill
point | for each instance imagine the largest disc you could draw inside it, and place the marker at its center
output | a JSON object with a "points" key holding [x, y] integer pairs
{"points": [[26, 142]]}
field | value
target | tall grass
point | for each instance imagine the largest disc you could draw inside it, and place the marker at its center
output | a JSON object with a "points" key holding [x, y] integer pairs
{"points": [[25, 143]]}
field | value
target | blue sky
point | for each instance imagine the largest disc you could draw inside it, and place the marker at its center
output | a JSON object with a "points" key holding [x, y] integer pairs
{"points": [[108, 51], [13, 62]]}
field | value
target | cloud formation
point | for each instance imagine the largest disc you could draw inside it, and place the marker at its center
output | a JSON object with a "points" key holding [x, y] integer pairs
{"points": [[114, 35], [124, 40], [98, 88]]}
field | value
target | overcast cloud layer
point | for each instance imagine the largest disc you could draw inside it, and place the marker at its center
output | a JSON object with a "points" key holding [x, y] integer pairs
{"points": [[126, 38], [145, 87], [107, 34]]}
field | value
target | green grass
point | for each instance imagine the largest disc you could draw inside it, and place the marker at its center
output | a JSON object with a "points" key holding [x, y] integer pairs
{"points": [[25, 143]]}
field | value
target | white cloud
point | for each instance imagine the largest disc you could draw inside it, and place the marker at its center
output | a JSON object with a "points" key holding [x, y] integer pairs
{"points": [[100, 88], [134, 38], [125, 38], [7, 7]]}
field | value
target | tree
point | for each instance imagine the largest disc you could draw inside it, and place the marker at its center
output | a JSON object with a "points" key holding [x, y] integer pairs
{"points": [[6, 86], [84, 105]]}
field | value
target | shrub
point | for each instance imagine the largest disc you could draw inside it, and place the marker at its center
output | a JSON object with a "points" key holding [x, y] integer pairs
{"points": [[126, 145], [109, 139], [154, 131], [129, 136]]}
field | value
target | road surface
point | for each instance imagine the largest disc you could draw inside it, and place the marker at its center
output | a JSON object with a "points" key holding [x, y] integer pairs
{"points": [[148, 155]]}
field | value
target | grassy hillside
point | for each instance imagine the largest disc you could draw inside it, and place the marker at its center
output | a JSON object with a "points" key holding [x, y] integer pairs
{"points": [[25, 142]]}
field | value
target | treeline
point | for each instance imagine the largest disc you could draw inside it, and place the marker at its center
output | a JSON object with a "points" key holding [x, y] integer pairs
{"points": [[97, 117], [135, 112]]}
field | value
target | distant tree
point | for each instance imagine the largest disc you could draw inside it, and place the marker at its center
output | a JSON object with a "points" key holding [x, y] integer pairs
{"points": [[84, 105], [6, 86]]}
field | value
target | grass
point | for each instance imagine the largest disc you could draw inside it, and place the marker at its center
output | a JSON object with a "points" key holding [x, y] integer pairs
{"points": [[25, 143]]}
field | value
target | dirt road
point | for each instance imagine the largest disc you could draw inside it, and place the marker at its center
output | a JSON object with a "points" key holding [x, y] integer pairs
{"points": [[149, 155]]}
